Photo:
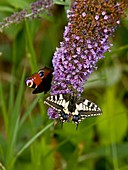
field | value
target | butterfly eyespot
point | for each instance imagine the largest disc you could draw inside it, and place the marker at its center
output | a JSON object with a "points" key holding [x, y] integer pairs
{"points": [[29, 83], [41, 74]]}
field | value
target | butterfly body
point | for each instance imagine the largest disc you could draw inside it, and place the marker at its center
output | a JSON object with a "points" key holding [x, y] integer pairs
{"points": [[72, 108], [40, 81]]}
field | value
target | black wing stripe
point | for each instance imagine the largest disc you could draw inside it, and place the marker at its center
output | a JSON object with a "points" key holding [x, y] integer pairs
{"points": [[53, 105]]}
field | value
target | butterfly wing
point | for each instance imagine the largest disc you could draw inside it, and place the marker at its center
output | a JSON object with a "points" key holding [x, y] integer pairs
{"points": [[59, 103], [72, 107], [87, 108], [46, 82]]}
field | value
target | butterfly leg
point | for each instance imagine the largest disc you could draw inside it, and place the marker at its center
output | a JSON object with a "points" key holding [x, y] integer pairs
{"points": [[77, 125], [61, 123]]}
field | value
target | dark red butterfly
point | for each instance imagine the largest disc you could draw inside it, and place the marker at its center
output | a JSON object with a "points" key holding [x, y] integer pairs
{"points": [[40, 81]]}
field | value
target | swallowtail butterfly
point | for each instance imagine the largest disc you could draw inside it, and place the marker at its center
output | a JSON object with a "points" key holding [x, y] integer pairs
{"points": [[72, 108], [40, 81]]}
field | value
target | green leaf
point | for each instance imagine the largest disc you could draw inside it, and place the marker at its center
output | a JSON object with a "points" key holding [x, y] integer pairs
{"points": [[6, 9], [18, 3], [32, 140], [112, 125], [14, 124]]}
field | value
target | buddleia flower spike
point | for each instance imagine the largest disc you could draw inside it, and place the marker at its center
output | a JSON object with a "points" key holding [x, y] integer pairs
{"points": [[85, 40]]}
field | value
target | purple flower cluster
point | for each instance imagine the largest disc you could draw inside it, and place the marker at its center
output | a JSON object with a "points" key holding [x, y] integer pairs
{"points": [[90, 25], [85, 40], [40, 4], [36, 9]]}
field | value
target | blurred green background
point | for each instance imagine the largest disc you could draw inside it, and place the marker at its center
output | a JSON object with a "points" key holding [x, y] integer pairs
{"points": [[28, 139]]}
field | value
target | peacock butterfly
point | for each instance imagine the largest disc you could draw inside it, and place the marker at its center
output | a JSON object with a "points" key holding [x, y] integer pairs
{"points": [[40, 81]]}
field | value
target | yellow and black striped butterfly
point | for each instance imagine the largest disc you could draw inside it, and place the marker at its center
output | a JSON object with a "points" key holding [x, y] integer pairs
{"points": [[72, 108]]}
